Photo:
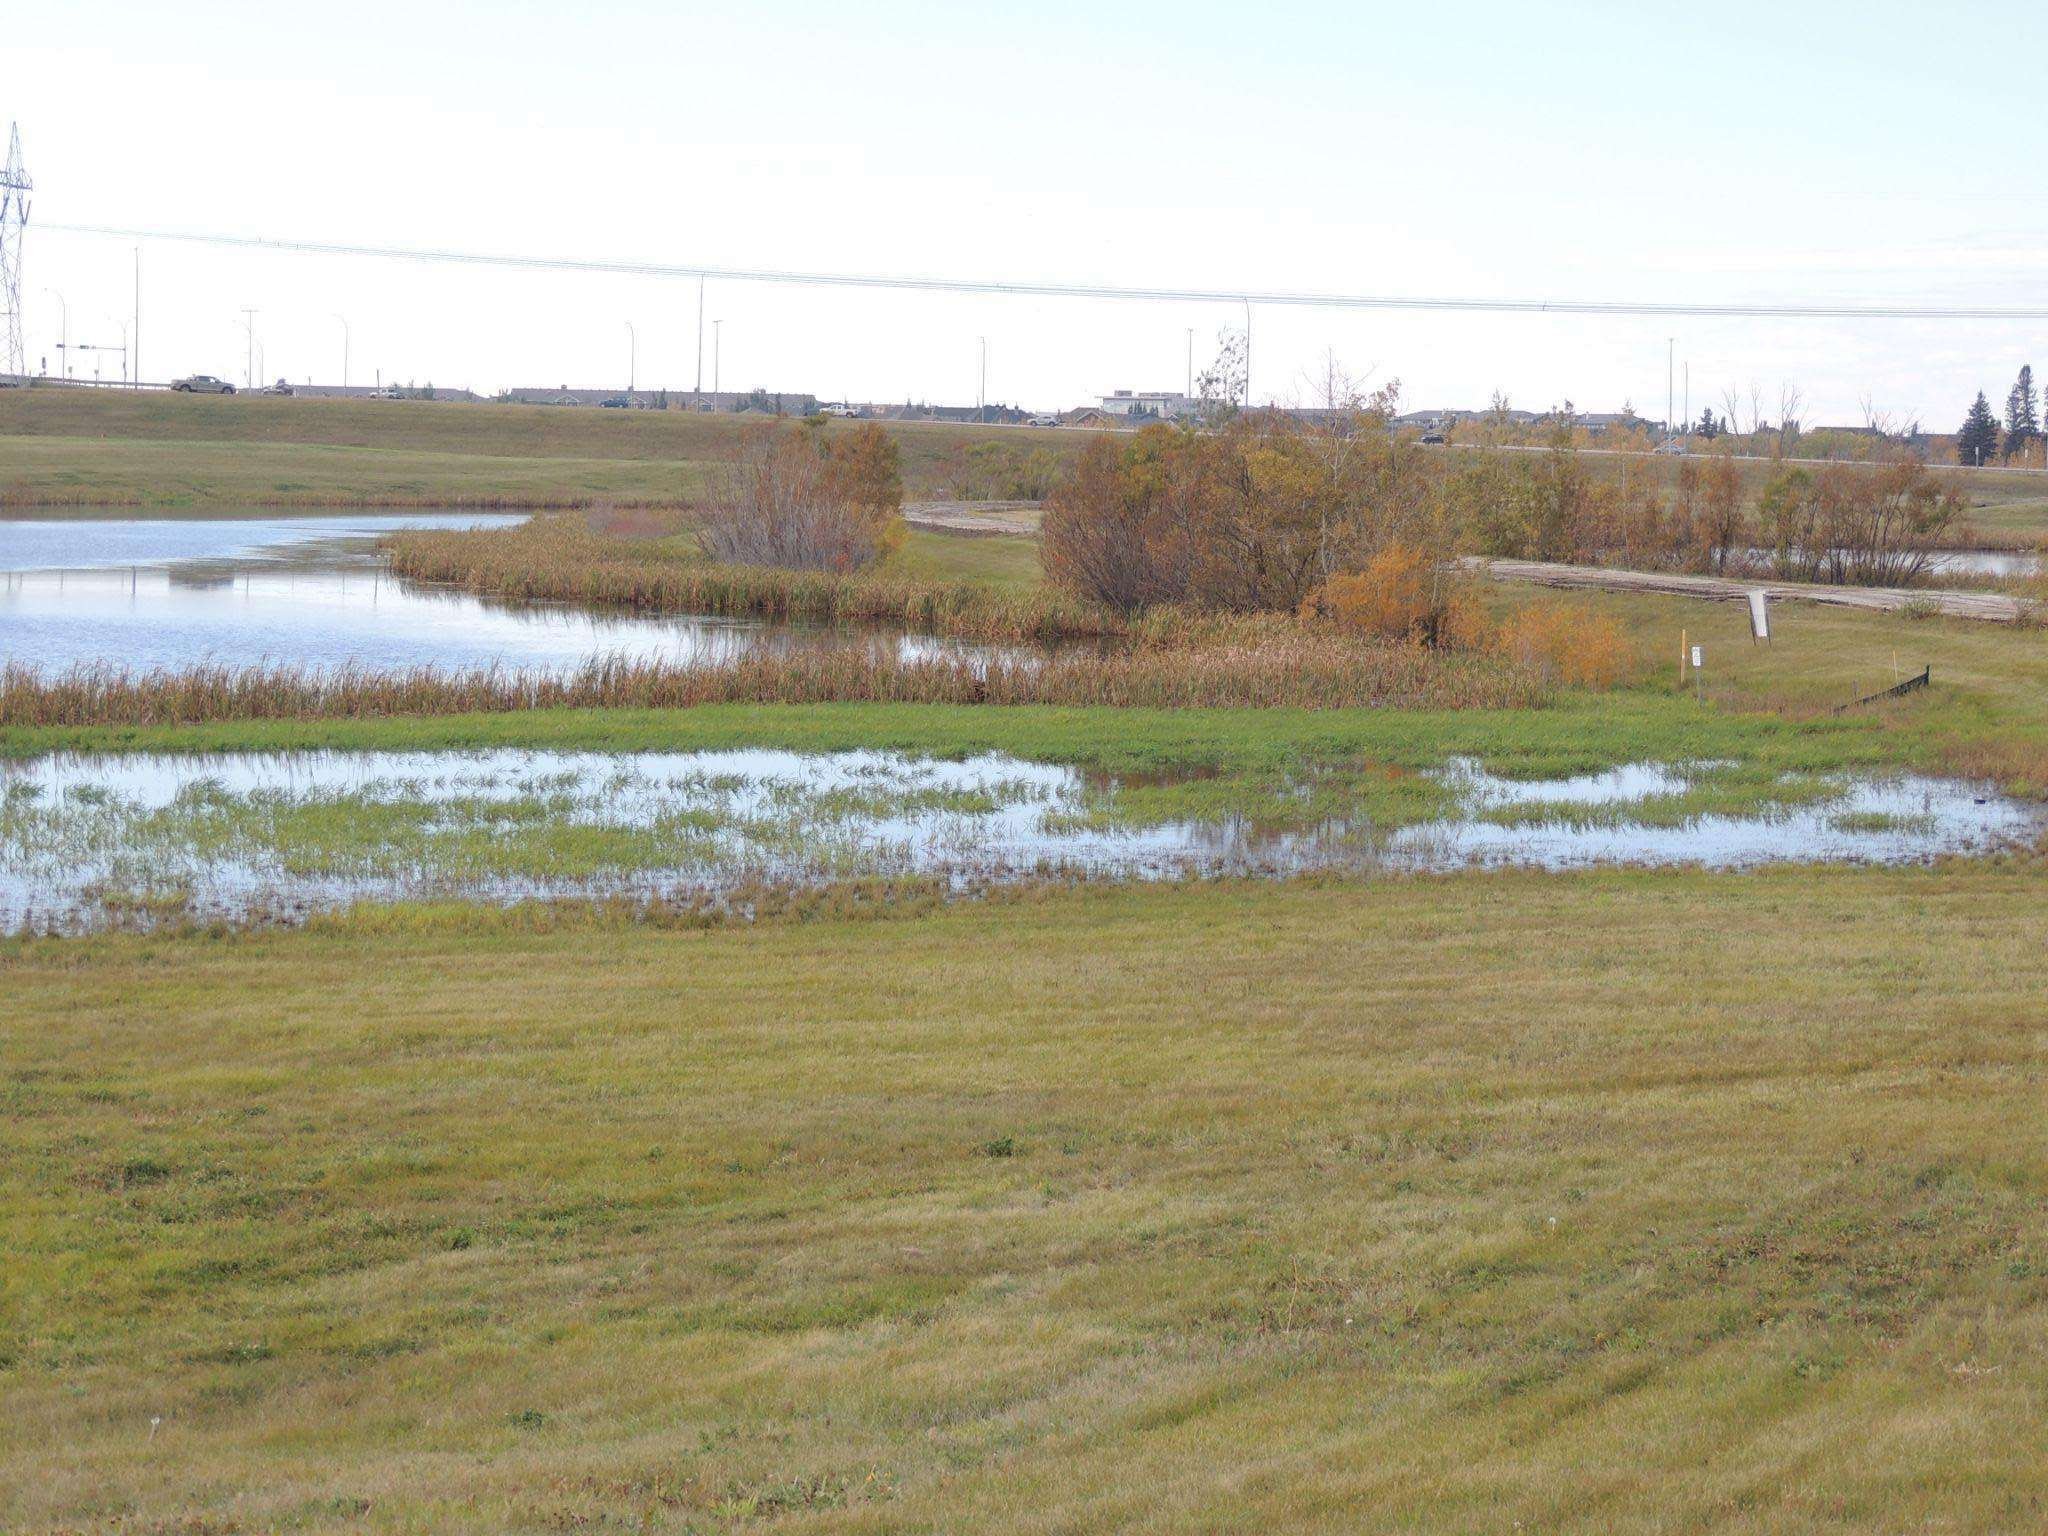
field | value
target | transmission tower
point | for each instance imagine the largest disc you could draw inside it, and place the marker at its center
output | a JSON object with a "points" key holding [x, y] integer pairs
{"points": [[15, 187]]}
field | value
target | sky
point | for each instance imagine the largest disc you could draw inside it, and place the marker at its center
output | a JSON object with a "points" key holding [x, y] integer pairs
{"points": [[1805, 152]]}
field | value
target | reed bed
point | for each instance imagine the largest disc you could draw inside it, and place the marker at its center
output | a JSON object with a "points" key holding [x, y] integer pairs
{"points": [[560, 559], [1305, 672]]}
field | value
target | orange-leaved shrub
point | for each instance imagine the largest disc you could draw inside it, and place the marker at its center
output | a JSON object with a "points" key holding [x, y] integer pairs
{"points": [[1568, 643], [1404, 595]]}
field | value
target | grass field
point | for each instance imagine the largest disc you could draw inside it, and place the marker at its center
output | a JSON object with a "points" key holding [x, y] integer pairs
{"points": [[1616, 1202], [1647, 1203], [81, 447]]}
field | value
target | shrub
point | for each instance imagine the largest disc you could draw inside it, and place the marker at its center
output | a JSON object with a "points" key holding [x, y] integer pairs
{"points": [[1251, 516], [1568, 643], [1402, 594], [794, 498]]}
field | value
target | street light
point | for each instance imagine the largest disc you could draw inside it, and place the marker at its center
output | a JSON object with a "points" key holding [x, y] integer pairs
{"points": [[249, 365], [344, 352], [632, 358], [63, 346]]}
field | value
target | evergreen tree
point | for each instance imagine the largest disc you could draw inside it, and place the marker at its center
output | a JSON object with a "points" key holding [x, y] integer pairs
{"points": [[1978, 438], [2022, 413]]}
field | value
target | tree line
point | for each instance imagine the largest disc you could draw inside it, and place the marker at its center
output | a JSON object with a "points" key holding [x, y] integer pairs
{"points": [[1983, 438]]}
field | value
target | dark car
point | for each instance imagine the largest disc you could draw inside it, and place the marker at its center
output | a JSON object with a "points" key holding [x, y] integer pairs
{"points": [[202, 384], [1432, 437]]}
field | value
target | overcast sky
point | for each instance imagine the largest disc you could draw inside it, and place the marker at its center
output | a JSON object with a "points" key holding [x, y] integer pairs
{"points": [[1814, 151]]}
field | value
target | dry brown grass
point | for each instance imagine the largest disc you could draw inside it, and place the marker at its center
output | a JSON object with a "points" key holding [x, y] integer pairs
{"points": [[1291, 669], [561, 559]]}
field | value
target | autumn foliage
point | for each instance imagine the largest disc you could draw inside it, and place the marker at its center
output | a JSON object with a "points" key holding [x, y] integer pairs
{"points": [[1253, 515], [1404, 595], [803, 500], [1568, 643]]}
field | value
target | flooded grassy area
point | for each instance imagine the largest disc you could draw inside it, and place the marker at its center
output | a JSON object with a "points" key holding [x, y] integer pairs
{"points": [[92, 841]]}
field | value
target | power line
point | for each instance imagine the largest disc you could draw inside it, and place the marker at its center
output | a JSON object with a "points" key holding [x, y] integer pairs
{"points": [[1053, 290]]}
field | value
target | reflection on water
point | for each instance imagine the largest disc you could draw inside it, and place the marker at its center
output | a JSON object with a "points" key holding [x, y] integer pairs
{"points": [[310, 592], [1984, 562], [250, 835], [87, 544]]}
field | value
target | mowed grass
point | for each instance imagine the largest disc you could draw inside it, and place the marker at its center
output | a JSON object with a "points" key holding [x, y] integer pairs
{"points": [[84, 447], [1985, 713], [207, 475], [1648, 1203], [997, 560]]}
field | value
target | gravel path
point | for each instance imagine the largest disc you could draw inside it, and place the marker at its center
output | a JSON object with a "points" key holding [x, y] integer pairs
{"points": [[1992, 607]]}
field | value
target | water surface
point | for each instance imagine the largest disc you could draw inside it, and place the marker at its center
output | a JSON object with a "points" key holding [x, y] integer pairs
{"points": [[312, 592], [86, 841]]}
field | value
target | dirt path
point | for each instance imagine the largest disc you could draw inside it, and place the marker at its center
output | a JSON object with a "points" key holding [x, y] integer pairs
{"points": [[973, 517], [1992, 607]]}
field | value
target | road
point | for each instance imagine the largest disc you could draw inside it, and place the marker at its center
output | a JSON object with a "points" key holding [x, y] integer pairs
{"points": [[974, 517], [1990, 607]]}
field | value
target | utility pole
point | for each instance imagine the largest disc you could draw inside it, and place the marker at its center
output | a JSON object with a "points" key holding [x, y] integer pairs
{"points": [[1248, 355], [63, 346], [632, 359], [344, 351], [138, 317], [700, 333], [981, 390], [249, 365], [717, 347], [1688, 396], [1670, 399], [1191, 363]]}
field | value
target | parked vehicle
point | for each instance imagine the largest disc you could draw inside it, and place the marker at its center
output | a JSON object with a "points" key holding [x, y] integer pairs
{"points": [[384, 394], [202, 384], [281, 387], [1432, 438], [616, 403]]}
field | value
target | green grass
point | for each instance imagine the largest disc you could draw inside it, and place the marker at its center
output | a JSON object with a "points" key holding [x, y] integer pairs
{"points": [[1986, 713], [1244, 762], [72, 447], [203, 477], [1616, 1203], [999, 560]]}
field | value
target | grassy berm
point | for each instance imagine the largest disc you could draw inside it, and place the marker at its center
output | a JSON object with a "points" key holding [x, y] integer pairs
{"points": [[1648, 1203]]}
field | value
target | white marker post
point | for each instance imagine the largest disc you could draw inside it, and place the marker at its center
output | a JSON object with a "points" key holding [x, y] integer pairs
{"points": [[1699, 657]]}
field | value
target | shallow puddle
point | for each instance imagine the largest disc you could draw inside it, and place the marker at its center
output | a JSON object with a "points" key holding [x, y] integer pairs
{"points": [[87, 842]]}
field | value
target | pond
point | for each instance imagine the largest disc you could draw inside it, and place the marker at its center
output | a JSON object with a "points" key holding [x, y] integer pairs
{"points": [[1998, 563], [95, 841], [311, 591]]}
